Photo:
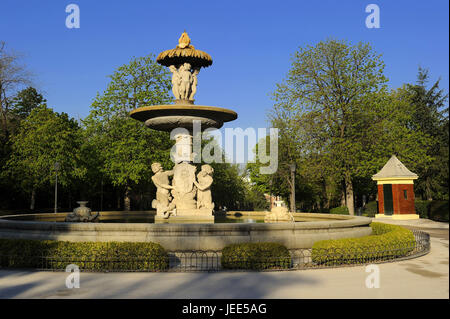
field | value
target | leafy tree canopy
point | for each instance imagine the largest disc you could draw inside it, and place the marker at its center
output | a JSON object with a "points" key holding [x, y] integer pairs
{"points": [[44, 138]]}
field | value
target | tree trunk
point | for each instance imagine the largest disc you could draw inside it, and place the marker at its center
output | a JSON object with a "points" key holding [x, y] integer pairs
{"points": [[343, 199], [118, 199], [349, 196], [3, 111], [428, 190], [33, 199], [292, 191], [70, 201], [141, 202], [101, 197], [127, 199]]}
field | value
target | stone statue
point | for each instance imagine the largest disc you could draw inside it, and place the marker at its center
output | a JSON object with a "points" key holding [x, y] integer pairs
{"points": [[176, 81], [204, 198], [186, 80], [185, 62], [162, 203], [179, 198], [278, 213], [82, 214], [194, 83]]}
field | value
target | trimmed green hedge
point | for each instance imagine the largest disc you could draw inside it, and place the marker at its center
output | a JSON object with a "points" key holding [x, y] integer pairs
{"points": [[422, 207], [370, 210], [255, 256], [435, 210], [386, 242], [438, 210], [98, 256], [343, 210]]}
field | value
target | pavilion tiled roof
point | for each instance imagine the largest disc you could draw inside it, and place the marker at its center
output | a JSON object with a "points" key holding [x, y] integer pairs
{"points": [[394, 169]]}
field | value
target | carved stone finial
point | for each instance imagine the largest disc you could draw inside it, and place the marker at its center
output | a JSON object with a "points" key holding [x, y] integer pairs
{"points": [[184, 40]]}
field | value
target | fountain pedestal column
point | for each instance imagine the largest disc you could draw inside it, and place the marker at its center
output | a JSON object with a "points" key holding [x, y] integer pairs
{"points": [[183, 148]]}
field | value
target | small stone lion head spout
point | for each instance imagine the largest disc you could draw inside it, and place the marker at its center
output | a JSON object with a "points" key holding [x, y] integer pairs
{"points": [[207, 169], [156, 167]]}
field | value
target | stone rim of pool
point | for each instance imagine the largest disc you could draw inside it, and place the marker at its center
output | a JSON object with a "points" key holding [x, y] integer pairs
{"points": [[192, 236]]}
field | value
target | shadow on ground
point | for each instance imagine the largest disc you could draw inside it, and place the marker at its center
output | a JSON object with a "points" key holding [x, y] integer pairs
{"points": [[23, 284]]}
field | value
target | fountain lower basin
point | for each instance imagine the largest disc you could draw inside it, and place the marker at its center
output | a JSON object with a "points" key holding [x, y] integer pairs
{"points": [[191, 236]]}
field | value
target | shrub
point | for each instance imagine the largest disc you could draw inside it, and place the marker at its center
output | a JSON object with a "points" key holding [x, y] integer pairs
{"points": [[386, 242], [422, 207], [343, 210], [438, 210], [255, 256], [99, 256], [371, 209]]}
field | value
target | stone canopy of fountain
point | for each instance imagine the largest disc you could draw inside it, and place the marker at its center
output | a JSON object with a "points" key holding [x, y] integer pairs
{"points": [[188, 196]]}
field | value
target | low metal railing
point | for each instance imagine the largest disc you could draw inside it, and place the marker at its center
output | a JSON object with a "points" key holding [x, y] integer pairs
{"points": [[303, 258], [209, 261]]}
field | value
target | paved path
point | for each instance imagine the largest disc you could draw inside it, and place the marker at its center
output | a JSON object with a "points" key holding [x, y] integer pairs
{"points": [[416, 223], [424, 277]]}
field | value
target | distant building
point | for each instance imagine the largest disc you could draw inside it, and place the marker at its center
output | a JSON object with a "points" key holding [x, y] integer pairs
{"points": [[395, 191]]}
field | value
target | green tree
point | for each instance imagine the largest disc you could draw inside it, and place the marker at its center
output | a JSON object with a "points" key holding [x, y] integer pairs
{"points": [[393, 133], [229, 186], [26, 101], [262, 183], [126, 148], [43, 138], [430, 116], [327, 89], [314, 191], [254, 199], [342, 123]]}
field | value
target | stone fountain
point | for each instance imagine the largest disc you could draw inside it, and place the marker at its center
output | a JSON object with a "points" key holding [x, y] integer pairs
{"points": [[188, 196], [183, 196]]}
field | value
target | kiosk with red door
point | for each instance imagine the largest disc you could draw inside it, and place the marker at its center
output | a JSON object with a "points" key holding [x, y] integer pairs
{"points": [[395, 191]]}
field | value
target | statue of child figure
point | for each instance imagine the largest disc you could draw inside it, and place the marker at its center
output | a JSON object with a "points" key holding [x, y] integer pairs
{"points": [[204, 177], [186, 80], [176, 81], [162, 203], [194, 83]]}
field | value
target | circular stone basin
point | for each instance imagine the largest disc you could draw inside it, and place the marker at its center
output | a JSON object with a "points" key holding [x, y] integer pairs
{"points": [[189, 236], [135, 218], [168, 117]]}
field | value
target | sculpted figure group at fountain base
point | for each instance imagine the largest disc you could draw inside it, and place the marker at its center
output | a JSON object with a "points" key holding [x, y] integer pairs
{"points": [[187, 196]]}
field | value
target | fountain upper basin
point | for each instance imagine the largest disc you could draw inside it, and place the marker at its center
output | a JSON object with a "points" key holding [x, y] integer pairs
{"points": [[169, 117]]}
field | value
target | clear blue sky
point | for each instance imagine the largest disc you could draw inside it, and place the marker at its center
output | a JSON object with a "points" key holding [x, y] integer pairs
{"points": [[251, 43]]}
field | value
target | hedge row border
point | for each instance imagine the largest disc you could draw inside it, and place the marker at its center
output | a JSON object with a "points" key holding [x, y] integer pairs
{"points": [[209, 261]]}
